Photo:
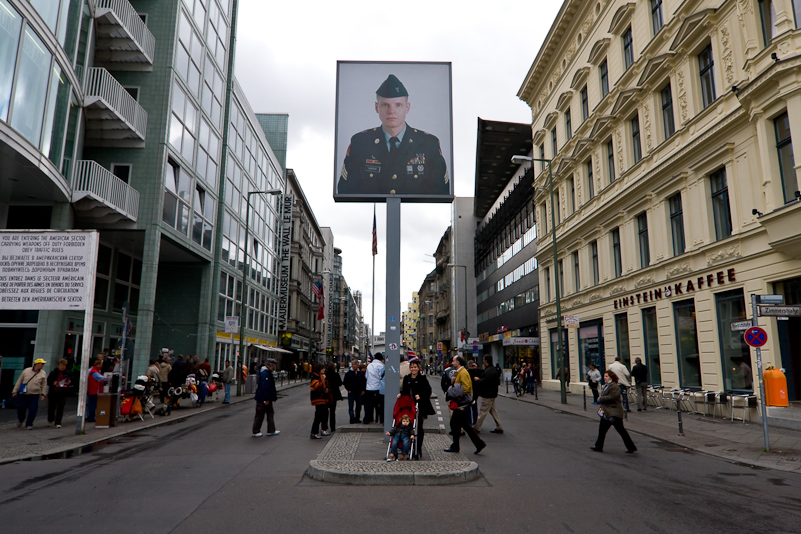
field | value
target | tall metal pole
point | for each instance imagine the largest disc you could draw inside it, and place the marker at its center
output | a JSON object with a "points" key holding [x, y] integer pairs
{"points": [[762, 399], [392, 352], [561, 341]]}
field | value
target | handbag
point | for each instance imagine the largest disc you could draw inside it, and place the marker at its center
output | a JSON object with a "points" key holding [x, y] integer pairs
{"points": [[23, 388]]}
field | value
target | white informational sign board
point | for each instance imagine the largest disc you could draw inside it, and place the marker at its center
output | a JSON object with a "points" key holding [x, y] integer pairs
{"points": [[571, 321], [46, 270], [231, 324]]}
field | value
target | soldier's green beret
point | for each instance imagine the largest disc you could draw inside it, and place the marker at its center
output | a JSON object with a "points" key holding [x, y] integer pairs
{"points": [[391, 88]]}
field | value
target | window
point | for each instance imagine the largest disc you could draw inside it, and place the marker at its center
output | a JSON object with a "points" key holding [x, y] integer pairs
{"points": [[126, 285], [177, 195], [767, 13], [203, 220], [677, 224], [590, 180], [616, 255], [30, 95], [189, 54], [183, 123], [656, 15], [585, 104], [687, 343], [797, 13], [568, 125], [556, 208], [667, 111], [604, 79], [636, 144], [622, 338], [651, 345], [720, 204], [642, 238], [576, 272], [596, 278], [705, 64], [628, 48], [11, 23], [784, 146], [571, 194], [121, 171], [610, 160], [736, 355], [554, 146], [561, 278], [547, 284]]}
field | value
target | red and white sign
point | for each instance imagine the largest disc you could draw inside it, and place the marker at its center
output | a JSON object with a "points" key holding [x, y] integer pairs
{"points": [[516, 341], [756, 337]]}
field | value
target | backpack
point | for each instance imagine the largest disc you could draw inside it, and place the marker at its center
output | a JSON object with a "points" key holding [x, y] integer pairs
{"points": [[456, 394]]}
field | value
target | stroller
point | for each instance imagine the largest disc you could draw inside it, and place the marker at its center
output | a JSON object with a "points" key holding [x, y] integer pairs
{"points": [[406, 405]]}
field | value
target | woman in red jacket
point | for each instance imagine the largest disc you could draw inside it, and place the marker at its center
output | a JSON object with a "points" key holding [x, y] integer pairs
{"points": [[319, 398]]}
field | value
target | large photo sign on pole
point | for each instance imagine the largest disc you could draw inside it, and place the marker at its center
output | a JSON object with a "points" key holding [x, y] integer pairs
{"points": [[394, 132]]}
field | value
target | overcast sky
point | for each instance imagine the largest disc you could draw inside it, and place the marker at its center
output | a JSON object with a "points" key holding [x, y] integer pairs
{"points": [[286, 63]]}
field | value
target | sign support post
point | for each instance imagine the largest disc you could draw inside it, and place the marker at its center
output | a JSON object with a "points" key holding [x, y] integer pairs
{"points": [[762, 400], [392, 356]]}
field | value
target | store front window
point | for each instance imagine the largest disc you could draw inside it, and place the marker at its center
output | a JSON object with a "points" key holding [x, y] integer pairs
{"points": [[591, 346], [687, 344], [651, 344], [520, 355], [622, 337], [555, 363], [736, 355]]}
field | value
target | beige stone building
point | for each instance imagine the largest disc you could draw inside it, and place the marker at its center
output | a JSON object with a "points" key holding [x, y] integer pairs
{"points": [[669, 124]]}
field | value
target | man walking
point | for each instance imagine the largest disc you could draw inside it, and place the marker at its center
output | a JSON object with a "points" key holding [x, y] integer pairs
{"points": [[227, 379], [355, 384], [373, 400], [488, 385], [640, 375], [623, 375], [459, 419], [266, 395]]}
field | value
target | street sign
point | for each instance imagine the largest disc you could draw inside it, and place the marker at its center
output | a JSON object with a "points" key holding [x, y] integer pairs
{"points": [[740, 325], [756, 337], [770, 299], [780, 311], [231, 324], [571, 321]]}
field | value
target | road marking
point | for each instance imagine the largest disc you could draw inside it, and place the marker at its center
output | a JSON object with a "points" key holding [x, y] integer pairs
{"points": [[439, 419]]}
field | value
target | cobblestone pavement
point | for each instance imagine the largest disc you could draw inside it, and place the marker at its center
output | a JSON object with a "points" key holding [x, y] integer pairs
{"points": [[46, 441], [736, 441]]}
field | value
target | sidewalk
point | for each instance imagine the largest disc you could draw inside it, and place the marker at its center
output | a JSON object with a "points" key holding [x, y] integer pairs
{"points": [[44, 441], [735, 441]]}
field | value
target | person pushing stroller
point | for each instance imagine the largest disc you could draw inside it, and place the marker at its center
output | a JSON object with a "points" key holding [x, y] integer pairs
{"points": [[401, 435]]}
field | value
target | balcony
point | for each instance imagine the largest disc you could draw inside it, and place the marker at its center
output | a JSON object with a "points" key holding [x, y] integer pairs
{"points": [[123, 40], [113, 117], [101, 197], [782, 226]]}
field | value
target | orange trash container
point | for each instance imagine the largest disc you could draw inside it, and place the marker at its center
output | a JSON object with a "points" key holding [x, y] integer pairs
{"points": [[775, 387]]}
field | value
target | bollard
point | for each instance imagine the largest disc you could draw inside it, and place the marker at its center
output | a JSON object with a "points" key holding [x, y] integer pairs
{"points": [[536, 396], [507, 386], [681, 427], [585, 397]]}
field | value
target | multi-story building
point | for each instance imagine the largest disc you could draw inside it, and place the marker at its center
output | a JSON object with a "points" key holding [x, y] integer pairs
{"points": [[304, 330], [669, 127], [444, 328], [426, 344], [507, 285], [113, 118], [462, 272], [409, 333]]}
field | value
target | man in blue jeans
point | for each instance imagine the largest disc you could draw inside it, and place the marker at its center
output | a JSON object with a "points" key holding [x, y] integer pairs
{"points": [[355, 383]]}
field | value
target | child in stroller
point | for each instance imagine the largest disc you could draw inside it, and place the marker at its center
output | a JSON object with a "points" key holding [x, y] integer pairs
{"points": [[401, 435]]}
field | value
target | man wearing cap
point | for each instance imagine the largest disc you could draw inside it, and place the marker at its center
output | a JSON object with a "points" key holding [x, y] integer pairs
{"points": [[266, 395], [395, 158], [31, 384]]}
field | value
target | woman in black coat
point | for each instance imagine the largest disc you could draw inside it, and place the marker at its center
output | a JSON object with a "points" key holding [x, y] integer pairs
{"points": [[416, 385], [334, 385]]}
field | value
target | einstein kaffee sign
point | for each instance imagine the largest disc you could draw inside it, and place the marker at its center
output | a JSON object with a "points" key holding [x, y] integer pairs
{"points": [[47, 270]]}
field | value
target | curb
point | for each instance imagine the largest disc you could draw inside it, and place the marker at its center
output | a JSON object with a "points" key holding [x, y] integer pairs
{"points": [[324, 471]]}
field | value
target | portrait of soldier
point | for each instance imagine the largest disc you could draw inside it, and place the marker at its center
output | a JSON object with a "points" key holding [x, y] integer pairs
{"points": [[394, 158]]}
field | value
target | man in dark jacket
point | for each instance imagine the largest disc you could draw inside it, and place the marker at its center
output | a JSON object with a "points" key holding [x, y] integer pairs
{"points": [[266, 395], [355, 383], [640, 375], [488, 386]]}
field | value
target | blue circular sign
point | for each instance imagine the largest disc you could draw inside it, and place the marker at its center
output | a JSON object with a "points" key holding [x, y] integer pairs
{"points": [[756, 337]]}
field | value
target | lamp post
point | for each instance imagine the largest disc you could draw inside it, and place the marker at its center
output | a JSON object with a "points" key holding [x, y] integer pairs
{"points": [[465, 296], [560, 341], [245, 269]]}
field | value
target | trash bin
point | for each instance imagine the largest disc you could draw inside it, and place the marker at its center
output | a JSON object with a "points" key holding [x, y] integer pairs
{"points": [[775, 387], [106, 414], [250, 384]]}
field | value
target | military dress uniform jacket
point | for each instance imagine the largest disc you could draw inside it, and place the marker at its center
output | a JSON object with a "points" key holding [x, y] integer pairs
{"points": [[415, 168]]}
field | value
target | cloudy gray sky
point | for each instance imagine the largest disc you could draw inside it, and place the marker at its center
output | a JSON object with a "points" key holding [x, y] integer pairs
{"points": [[286, 63]]}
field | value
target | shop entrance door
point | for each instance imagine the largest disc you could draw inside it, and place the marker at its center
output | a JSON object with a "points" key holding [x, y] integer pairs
{"points": [[790, 338]]}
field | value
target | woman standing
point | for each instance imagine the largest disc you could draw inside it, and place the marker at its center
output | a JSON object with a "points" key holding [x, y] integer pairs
{"points": [[594, 379], [611, 412], [334, 393], [58, 383], [319, 399], [416, 385], [31, 384]]}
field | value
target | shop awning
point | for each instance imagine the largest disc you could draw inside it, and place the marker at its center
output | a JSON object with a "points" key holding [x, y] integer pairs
{"points": [[272, 349]]}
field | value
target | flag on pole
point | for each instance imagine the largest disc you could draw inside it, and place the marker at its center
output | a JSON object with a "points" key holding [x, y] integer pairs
{"points": [[317, 289], [412, 354], [375, 235]]}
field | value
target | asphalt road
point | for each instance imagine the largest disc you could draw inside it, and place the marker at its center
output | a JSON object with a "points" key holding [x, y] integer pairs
{"points": [[206, 474]]}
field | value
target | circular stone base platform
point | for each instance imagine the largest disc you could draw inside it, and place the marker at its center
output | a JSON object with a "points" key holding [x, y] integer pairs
{"points": [[342, 462]]}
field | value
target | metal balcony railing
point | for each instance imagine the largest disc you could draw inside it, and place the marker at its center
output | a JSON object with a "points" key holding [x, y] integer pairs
{"points": [[123, 34], [104, 92], [90, 179]]}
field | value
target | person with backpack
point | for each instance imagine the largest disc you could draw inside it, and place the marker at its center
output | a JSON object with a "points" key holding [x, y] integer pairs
{"points": [[459, 397], [488, 385]]}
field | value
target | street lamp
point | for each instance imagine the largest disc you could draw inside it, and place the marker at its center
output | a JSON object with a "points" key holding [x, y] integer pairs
{"points": [[519, 160], [465, 296], [245, 269]]}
